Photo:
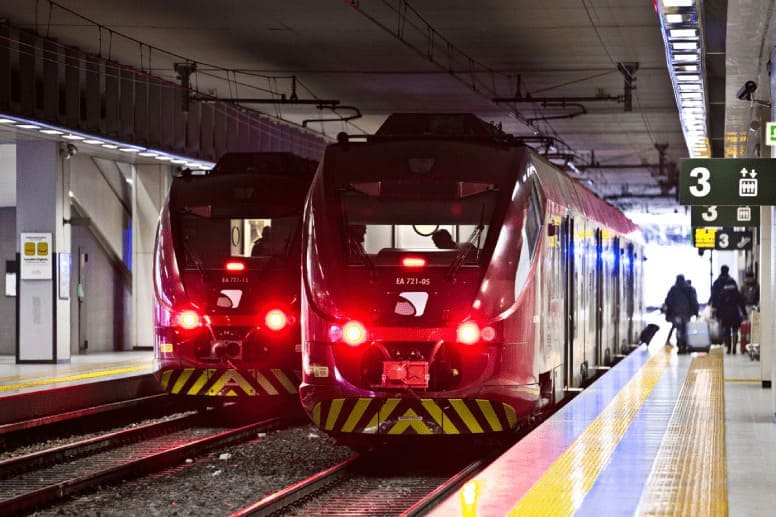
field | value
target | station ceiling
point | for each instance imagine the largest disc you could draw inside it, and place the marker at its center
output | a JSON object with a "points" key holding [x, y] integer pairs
{"points": [[376, 57]]}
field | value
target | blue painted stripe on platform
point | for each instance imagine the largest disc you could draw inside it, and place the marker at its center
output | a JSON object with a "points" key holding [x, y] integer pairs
{"points": [[534, 454], [618, 489]]}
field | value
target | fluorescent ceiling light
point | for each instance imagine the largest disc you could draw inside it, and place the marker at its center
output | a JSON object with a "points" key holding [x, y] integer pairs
{"points": [[690, 87], [128, 149], [685, 45], [28, 126], [51, 131], [680, 58], [148, 154], [6, 121], [686, 68], [688, 77], [73, 137], [683, 33], [93, 141], [678, 3], [691, 95], [674, 18]]}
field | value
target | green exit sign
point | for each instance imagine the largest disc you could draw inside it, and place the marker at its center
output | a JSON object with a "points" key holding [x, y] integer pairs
{"points": [[770, 133], [728, 181]]}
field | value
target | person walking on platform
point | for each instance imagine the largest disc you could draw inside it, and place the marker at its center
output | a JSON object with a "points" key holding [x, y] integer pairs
{"points": [[750, 291], [680, 305], [728, 307]]}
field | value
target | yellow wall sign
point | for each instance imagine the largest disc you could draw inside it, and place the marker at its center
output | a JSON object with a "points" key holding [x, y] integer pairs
{"points": [[704, 237]]}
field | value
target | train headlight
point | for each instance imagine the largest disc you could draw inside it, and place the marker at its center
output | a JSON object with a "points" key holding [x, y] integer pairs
{"points": [[188, 319], [276, 319], [353, 333], [468, 333]]}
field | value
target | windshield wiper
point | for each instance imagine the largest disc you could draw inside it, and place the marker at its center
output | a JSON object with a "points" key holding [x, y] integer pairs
{"points": [[466, 248], [355, 245]]}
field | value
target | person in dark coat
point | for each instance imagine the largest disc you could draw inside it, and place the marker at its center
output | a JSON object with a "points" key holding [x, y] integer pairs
{"points": [[680, 305], [728, 306], [750, 291]]}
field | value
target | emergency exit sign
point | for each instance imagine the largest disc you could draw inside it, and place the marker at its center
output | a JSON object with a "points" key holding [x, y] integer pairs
{"points": [[770, 133], [728, 181]]}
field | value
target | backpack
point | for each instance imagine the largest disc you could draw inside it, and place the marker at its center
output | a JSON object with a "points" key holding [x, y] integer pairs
{"points": [[749, 294]]}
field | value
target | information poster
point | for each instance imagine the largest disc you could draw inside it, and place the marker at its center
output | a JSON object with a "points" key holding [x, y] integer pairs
{"points": [[36, 256]]}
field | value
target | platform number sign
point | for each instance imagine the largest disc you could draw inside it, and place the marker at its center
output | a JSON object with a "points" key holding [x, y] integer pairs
{"points": [[728, 182], [724, 239], [716, 215]]}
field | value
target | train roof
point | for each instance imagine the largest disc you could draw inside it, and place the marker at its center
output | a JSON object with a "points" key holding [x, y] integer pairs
{"points": [[561, 190], [277, 163]]}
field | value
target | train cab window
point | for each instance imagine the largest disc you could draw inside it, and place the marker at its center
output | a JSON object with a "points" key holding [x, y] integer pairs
{"points": [[437, 219], [208, 242]]}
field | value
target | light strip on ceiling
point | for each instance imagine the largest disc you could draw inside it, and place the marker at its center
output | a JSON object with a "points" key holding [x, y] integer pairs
{"points": [[65, 135], [682, 29]]}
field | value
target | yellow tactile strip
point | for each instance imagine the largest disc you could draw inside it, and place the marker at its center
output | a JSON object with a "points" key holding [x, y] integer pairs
{"points": [[69, 378], [689, 475], [562, 488]]}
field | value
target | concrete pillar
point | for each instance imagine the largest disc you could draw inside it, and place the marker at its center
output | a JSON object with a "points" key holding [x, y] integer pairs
{"points": [[767, 283], [151, 184], [766, 297], [43, 247]]}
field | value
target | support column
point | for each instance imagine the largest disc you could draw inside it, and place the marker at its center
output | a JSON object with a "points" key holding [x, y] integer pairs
{"points": [[151, 184], [767, 283], [43, 248]]}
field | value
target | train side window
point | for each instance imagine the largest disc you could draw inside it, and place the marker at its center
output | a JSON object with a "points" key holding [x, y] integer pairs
{"points": [[533, 221]]}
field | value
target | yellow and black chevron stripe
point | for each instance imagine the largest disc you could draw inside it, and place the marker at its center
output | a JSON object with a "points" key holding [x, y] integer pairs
{"points": [[398, 416], [226, 382]]}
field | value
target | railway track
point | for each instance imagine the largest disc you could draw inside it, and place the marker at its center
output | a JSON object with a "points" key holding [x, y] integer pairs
{"points": [[37, 479], [365, 485]]}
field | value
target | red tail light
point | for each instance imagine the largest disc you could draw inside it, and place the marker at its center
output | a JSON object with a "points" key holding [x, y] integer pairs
{"points": [[235, 266], [468, 333], [276, 319], [188, 319], [413, 262], [353, 333]]}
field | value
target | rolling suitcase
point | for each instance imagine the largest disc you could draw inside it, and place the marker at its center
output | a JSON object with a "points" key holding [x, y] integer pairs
{"points": [[698, 339], [648, 333], [745, 335]]}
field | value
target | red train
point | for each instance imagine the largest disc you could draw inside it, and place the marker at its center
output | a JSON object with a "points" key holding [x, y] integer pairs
{"points": [[226, 278], [454, 282]]}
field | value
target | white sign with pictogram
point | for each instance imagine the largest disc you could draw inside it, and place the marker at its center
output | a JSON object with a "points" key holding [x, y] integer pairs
{"points": [[35, 251]]}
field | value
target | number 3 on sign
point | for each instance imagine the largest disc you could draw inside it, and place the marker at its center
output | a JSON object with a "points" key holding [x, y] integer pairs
{"points": [[703, 187]]}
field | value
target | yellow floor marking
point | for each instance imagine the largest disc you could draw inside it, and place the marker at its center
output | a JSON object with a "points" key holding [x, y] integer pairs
{"points": [[563, 487], [69, 378], [743, 380], [60, 368], [689, 476]]}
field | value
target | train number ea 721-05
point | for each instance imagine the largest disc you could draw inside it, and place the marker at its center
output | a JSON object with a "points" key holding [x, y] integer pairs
{"points": [[412, 281]]}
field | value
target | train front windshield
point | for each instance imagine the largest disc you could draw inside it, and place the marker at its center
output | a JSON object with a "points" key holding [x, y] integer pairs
{"points": [[446, 221], [210, 237], [254, 220]]}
